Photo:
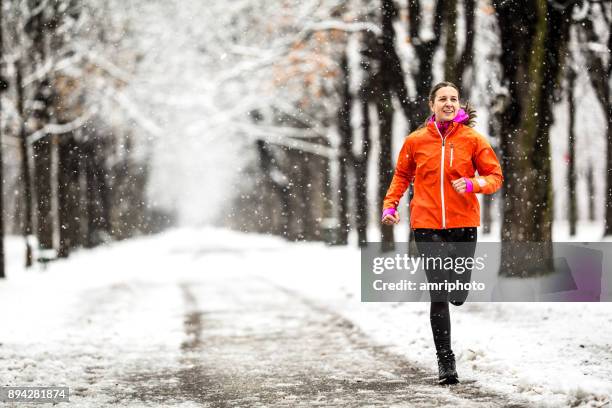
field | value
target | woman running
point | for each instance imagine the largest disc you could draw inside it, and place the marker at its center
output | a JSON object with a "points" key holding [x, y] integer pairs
{"points": [[441, 158]]}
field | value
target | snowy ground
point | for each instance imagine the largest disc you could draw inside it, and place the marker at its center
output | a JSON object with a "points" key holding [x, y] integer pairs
{"points": [[217, 318]]}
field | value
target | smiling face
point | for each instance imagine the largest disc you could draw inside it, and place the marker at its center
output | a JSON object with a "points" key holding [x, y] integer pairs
{"points": [[445, 104]]}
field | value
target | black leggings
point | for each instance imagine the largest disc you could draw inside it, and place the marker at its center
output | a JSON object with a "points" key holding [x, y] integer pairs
{"points": [[439, 244]]}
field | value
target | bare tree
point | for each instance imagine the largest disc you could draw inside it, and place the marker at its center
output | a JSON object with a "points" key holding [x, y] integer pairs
{"points": [[360, 160], [595, 49], [60, 80], [425, 50], [3, 84], [25, 175], [345, 154], [530, 73], [384, 105], [571, 152]]}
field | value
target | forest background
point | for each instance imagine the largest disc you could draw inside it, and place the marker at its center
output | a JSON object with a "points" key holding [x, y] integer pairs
{"points": [[125, 118]]}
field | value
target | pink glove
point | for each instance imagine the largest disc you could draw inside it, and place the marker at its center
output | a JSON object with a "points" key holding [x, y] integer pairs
{"points": [[389, 211]]}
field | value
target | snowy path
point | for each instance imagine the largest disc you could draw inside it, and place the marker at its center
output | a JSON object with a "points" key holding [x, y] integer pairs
{"points": [[170, 328]]}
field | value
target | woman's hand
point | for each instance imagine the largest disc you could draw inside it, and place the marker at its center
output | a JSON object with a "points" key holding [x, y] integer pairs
{"points": [[460, 185], [390, 216]]}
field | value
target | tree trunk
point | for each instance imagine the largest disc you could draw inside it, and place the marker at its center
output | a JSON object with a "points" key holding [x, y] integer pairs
{"points": [[42, 177], [571, 143], [2, 89], [278, 182], [367, 95], [609, 116], [467, 56], [308, 228], [451, 72], [530, 72], [92, 196], [318, 193], [68, 195], [26, 176], [487, 199], [345, 153], [424, 51], [300, 215], [361, 175], [591, 192], [608, 228], [85, 234], [105, 192], [599, 74], [455, 67], [384, 105], [41, 148], [385, 122], [390, 60]]}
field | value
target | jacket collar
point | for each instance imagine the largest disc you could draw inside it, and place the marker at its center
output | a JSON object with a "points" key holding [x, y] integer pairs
{"points": [[452, 127]]}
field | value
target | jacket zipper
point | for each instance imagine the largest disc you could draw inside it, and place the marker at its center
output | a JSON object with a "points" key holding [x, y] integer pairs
{"points": [[451, 161], [442, 178]]}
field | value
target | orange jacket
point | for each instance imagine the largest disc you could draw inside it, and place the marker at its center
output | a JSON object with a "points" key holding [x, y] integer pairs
{"points": [[433, 162]]}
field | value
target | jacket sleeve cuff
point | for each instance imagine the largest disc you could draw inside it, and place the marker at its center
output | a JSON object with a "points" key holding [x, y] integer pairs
{"points": [[478, 184], [469, 185]]}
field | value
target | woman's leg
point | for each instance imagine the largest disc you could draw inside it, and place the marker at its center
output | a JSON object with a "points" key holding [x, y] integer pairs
{"points": [[439, 316], [439, 243], [460, 243], [428, 243]]}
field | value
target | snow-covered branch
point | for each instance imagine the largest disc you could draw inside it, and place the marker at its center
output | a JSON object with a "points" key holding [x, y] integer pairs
{"points": [[344, 26], [58, 129], [279, 139], [109, 67], [50, 66], [139, 118], [39, 9]]}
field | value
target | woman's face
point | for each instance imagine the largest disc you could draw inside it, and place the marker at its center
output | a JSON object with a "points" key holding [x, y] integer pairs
{"points": [[446, 104]]}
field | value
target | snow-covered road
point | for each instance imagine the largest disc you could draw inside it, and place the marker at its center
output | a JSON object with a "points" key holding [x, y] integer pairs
{"points": [[216, 318]]}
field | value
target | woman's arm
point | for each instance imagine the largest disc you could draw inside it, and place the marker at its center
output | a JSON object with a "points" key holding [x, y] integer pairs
{"points": [[490, 177], [402, 177]]}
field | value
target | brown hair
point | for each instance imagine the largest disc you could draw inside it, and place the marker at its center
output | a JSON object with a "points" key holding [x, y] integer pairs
{"points": [[467, 107], [436, 88]]}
